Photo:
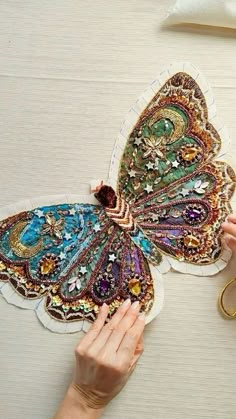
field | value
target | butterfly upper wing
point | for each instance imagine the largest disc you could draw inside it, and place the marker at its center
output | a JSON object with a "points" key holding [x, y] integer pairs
{"points": [[75, 257], [169, 157], [171, 139]]}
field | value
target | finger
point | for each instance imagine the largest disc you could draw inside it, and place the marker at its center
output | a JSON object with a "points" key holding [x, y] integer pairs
{"points": [[135, 359], [116, 337], [231, 242], [130, 341], [140, 346], [95, 329], [108, 329], [136, 356], [229, 228], [232, 218]]}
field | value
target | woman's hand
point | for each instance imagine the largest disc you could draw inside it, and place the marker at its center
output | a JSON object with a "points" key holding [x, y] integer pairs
{"points": [[229, 227], [105, 358]]}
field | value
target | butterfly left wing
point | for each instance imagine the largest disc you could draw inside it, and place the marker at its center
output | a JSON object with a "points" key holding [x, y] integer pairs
{"points": [[65, 260]]}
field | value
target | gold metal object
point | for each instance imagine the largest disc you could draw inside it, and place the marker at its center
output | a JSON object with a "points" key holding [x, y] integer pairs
{"points": [[223, 308]]}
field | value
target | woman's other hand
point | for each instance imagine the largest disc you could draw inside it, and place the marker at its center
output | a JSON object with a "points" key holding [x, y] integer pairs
{"points": [[229, 227]]}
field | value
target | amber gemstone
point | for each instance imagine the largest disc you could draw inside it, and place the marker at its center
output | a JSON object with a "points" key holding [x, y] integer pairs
{"points": [[134, 287], [191, 241], [47, 266], [189, 153]]}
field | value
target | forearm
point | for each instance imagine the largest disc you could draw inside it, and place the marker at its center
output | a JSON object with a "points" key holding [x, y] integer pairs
{"points": [[74, 407]]}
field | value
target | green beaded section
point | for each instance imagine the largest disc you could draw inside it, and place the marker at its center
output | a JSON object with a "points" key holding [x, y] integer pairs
{"points": [[154, 148]]}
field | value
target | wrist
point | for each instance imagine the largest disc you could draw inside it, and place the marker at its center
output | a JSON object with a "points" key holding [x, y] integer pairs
{"points": [[83, 403], [76, 406]]}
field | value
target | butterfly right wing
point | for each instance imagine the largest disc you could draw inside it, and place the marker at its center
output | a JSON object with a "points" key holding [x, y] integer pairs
{"points": [[165, 149]]}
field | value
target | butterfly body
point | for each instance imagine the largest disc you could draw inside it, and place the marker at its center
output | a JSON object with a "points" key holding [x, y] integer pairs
{"points": [[120, 213]]}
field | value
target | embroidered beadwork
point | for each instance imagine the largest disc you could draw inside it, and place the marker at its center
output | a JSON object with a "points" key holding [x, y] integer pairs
{"points": [[171, 199]]}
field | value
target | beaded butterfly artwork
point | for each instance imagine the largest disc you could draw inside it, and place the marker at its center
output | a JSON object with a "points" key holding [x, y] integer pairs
{"points": [[161, 208]]}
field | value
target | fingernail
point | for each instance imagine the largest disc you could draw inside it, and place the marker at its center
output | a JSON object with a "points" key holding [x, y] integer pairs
{"points": [[104, 305], [141, 316], [135, 305], [126, 302]]}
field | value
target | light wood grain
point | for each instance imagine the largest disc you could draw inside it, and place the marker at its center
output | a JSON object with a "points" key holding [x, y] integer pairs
{"points": [[69, 72]]}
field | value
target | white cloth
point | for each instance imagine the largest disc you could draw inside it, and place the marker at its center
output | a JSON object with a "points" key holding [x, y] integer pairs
{"points": [[205, 12]]}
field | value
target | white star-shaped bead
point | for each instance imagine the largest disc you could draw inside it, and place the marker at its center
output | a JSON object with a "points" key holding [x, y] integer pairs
{"points": [[72, 211], [39, 213], [68, 236], [137, 141], [184, 192], [62, 255], [150, 165], [83, 270], [97, 227], [155, 217], [175, 164], [132, 173], [112, 257], [148, 188]]}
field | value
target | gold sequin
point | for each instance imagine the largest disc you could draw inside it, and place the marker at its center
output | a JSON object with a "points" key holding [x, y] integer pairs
{"points": [[2, 266]]}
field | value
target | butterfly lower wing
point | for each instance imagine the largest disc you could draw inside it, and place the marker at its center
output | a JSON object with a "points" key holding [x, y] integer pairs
{"points": [[184, 220], [121, 272], [55, 259]]}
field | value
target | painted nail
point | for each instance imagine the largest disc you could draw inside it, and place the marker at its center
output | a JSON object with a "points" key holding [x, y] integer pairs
{"points": [[126, 302], [135, 305]]}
